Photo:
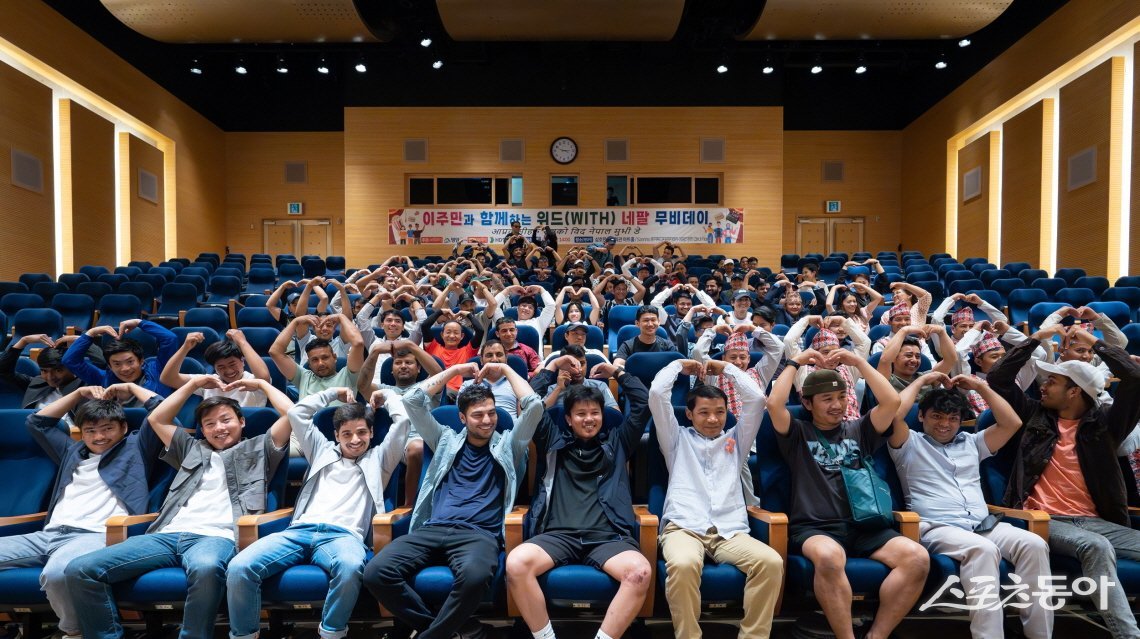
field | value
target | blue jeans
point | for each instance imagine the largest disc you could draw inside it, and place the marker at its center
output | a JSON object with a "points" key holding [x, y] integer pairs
{"points": [[203, 557], [1097, 544], [53, 550], [335, 550]]}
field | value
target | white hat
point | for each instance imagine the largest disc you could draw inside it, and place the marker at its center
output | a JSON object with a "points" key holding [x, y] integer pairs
{"points": [[1083, 374]]}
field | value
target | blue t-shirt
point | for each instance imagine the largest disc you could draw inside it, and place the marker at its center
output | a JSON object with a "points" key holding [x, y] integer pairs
{"points": [[471, 495]]}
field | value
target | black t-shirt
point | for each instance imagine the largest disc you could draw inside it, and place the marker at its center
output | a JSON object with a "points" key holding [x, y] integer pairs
{"points": [[471, 494], [635, 345], [574, 504], [818, 493]]}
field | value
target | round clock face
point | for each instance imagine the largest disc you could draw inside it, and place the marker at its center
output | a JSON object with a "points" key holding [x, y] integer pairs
{"points": [[564, 150]]}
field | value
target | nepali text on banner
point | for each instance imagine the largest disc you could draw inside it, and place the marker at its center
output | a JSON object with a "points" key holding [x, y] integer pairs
{"points": [[573, 226]]}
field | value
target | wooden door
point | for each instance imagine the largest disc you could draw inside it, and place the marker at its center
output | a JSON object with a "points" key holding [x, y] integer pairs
{"points": [[847, 235], [315, 238], [279, 236], [811, 235]]}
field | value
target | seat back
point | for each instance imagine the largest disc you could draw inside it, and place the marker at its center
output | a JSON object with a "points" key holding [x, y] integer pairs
{"points": [[1021, 300], [96, 290], [48, 290], [73, 280], [116, 308], [197, 281], [33, 321], [210, 336], [1119, 312], [645, 366], [1016, 267], [964, 285], [76, 309], [142, 291], [1075, 297], [1070, 275], [1097, 284], [989, 276], [251, 316], [224, 288], [1029, 274], [177, 297], [13, 303], [115, 280], [216, 318], [23, 459], [1039, 311], [1049, 284], [260, 338]]}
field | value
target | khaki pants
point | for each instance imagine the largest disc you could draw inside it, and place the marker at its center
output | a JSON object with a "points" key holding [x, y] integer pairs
{"points": [[685, 551]]}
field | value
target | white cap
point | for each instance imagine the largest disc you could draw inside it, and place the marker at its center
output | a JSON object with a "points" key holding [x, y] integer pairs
{"points": [[1083, 374]]}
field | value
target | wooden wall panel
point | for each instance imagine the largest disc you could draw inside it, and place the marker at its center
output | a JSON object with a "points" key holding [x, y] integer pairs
{"points": [[256, 188], [27, 218], [1068, 32], [871, 188], [466, 140], [1133, 266], [1082, 214], [200, 146], [973, 214], [147, 218], [1021, 186], [93, 188]]}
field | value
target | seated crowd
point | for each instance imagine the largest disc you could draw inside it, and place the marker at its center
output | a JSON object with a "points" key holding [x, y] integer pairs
{"points": [[515, 340]]}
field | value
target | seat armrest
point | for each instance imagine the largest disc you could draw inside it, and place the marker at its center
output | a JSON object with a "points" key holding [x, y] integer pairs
{"points": [[250, 527], [514, 539], [382, 524], [1036, 521], [772, 529], [22, 524], [231, 310], [908, 523], [119, 528], [647, 528]]}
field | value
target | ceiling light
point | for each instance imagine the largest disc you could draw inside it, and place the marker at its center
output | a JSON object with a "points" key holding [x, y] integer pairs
{"points": [[239, 68], [861, 69], [425, 43], [941, 64], [816, 69], [964, 42], [281, 68], [768, 69], [323, 67], [360, 68], [195, 68], [722, 69], [438, 64]]}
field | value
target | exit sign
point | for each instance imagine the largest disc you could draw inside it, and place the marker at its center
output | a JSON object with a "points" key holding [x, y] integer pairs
{"points": [[832, 206]]}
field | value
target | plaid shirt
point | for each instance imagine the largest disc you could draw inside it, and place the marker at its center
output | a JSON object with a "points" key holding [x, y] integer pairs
{"points": [[725, 383]]}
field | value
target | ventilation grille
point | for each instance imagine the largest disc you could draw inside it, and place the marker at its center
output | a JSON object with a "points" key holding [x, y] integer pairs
{"points": [[27, 171], [712, 150], [296, 172], [415, 150], [617, 150], [148, 186], [832, 170], [1082, 168], [511, 150], [972, 183]]}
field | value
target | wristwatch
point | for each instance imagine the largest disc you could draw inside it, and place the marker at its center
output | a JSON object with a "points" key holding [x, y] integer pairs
{"points": [[794, 364], [619, 371]]}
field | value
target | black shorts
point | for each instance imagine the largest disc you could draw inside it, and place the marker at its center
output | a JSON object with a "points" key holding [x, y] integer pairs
{"points": [[583, 548], [856, 541]]}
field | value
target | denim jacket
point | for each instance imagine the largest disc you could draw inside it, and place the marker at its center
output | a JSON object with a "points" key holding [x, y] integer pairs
{"points": [[507, 448], [249, 465]]}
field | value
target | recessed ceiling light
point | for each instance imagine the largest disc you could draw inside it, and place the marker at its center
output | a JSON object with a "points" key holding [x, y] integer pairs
{"points": [[360, 68], [941, 64], [964, 42], [768, 69], [240, 69], [438, 64], [816, 69], [425, 43], [281, 68], [195, 68], [323, 67], [722, 69], [861, 69]]}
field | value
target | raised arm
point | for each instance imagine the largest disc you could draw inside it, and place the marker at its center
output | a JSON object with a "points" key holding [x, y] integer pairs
{"points": [[287, 365], [883, 414], [256, 365], [274, 301], [436, 383], [171, 375], [876, 297], [660, 404], [351, 336], [946, 347], [595, 306], [778, 399], [1006, 419], [163, 417], [901, 431]]}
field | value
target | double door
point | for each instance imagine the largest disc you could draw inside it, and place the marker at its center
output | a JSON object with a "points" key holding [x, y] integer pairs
{"points": [[828, 235], [297, 237]]}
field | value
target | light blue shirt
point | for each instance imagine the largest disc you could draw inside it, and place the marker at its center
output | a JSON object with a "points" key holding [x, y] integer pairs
{"points": [[942, 483], [504, 395]]}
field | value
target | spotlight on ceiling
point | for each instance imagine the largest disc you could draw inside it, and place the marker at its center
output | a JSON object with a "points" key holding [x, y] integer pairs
{"points": [[360, 68], [195, 68], [281, 67], [941, 64], [861, 69], [816, 69], [768, 69], [721, 69], [425, 43], [964, 42], [323, 67], [438, 64], [240, 69]]}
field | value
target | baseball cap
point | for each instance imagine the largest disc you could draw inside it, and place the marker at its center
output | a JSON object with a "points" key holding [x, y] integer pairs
{"points": [[466, 297], [611, 240], [730, 261], [822, 380], [573, 326], [1083, 374], [741, 295]]}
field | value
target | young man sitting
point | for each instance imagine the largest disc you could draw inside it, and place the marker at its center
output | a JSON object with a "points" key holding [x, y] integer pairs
{"points": [[821, 525], [125, 361], [460, 512], [332, 520], [902, 357], [704, 507], [102, 475], [507, 333], [229, 358], [647, 340], [322, 372], [220, 478], [940, 477], [569, 377], [53, 382], [583, 512], [493, 352]]}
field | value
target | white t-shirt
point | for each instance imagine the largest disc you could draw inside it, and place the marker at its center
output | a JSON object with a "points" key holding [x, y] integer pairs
{"points": [[51, 398], [87, 502], [340, 499], [208, 511], [248, 399]]}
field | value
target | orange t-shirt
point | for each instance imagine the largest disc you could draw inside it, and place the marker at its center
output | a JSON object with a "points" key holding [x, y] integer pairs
{"points": [[452, 357], [1061, 489]]}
